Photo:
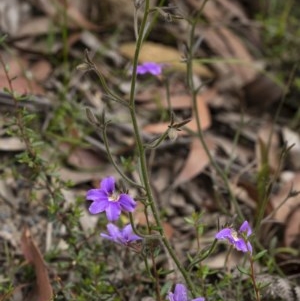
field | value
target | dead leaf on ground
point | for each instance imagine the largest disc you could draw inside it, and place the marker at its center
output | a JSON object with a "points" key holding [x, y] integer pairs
{"points": [[77, 18], [37, 26], [196, 161], [233, 10], [292, 138], [78, 177], [22, 85], [292, 230], [43, 290], [15, 65], [160, 53], [177, 100], [41, 70], [16, 71], [281, 215], [273, 153], [140, 219], [80, 157], [11, 143], [203, 113], [236, 152], [222, 260]]}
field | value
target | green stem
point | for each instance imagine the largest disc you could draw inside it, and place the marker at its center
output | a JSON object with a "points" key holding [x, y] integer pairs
{"points": [[252, 275], [157, 142], [198, 121], [142, 156], [112, 161]]}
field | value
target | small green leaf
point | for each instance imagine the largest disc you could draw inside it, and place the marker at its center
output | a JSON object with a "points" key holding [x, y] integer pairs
{"points": [[243, 270], [259, 255]]}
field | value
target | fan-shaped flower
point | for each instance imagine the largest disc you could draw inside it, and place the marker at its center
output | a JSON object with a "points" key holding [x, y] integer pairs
{"points": [[107, 199], [237, 238], [124, 236]]}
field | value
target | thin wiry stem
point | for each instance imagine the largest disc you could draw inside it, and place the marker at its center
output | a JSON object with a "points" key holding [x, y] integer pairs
{"points": [[200, 135], [112, 161], [142, 155], [252, 276]]}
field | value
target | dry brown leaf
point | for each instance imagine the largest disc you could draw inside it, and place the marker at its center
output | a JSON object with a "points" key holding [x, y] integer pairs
{"points": [[160, 53], [15, 65], [41, 70], [77, 17], [17, 68], [292, 230], [43, 290], [11, 144], [54, 8], [196, 161], [81, 177], [37, 26], [80, 157], [22, 85], [203, 113], [292, 139], [226, 44], [233, 10], [140, 219], [281, 215], [263, 137], [240, 152], [10, 16], [223, 260], [177, 100]]}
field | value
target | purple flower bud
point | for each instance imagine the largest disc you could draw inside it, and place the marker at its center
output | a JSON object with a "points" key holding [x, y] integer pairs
{"points": [[149, 67], [181, 294]]}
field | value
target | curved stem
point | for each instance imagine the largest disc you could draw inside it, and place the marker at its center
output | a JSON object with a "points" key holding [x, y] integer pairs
{"points": [[157, 142], [252, 276], [112, 161], [206, 254], [200, 135], [142, 156]]}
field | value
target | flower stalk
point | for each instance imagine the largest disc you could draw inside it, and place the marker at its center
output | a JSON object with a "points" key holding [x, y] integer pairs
{"points": [[142, 155]]}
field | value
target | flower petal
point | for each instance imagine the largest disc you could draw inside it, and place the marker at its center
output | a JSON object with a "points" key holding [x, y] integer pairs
{"points": [[149, 67], [249, 247], [241, 245], [171, 296], [126, 202], [104, 235], [180, 293], [225, 233], [245, 227], [113, 231], [97, 207], [199, 299], [96, 195], [127, 231], [108, 185], [128, 234], [113, 211]]}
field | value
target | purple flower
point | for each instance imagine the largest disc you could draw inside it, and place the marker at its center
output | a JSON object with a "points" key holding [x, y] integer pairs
{"points": [[181, 294], [237, 238], [108, 200], [149, 67], [123, 237]]}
